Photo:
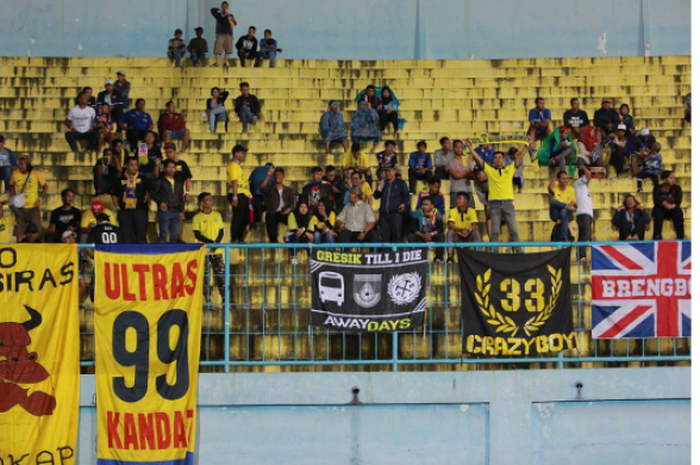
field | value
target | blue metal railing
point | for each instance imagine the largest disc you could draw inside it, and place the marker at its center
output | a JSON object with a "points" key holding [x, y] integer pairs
{"points": [[267, 322]]}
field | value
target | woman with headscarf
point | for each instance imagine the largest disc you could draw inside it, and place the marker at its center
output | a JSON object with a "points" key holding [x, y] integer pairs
{"points": [[363, 125], [300, 231], [388, 110], [332, 127], [322, 224]]}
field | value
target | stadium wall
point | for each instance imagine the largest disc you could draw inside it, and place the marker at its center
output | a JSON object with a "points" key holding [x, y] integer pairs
{"points": [[359, 29], [498, 417]]}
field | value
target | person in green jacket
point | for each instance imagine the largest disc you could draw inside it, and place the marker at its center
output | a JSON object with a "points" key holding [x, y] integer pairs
{"points": [[558, 149]]}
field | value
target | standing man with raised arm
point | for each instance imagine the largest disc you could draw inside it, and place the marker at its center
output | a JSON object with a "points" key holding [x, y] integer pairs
{"points": [[501, 196], [225, 22]]}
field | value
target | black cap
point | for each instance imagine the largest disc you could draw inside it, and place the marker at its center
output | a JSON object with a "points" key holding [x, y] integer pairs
{"points": [[102, 217], [239, 148], [32, 228]]}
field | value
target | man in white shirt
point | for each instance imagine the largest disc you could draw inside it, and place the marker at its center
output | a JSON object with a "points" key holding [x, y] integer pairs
{"points": [[356, 222], [584, 211], [81, 125]]}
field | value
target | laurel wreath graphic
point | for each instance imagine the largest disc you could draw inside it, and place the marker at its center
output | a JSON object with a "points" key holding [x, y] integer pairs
{"points": [[505, 324]]}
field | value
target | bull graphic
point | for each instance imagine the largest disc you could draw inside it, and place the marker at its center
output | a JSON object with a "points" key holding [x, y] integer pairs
{"points": [[22, 367]]}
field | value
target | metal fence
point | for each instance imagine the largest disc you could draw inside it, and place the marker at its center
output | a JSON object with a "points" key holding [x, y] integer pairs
{"points": [[267, 323]]}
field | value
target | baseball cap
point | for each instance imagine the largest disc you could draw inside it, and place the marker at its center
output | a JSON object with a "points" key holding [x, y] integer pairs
{"points": [[122, 73], [239, 148], [67, 233], [606, 100], [102, 217], [644, 132], [97, 207], [109, 82], [564, 128], [32, 228], [621, 127], [169, 146]]}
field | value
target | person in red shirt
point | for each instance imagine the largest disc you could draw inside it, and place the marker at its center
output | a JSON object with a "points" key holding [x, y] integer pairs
{"points": [[171, 126]]}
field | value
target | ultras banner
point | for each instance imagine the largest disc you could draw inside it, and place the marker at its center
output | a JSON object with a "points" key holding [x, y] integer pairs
{"points": [[39, 353], [368, 291], [516, 305], [148, 323]]}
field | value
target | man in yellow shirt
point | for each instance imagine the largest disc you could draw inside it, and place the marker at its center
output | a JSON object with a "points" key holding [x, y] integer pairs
{"points": [[240, 195], [31, 184], [562, 206], [208, 228], [462, 224], [358, 161]]}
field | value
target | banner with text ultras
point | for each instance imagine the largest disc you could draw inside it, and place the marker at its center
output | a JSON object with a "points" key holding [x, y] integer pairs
{"points": [[516, 305], [39, 354], [368, 291], [148, 323]]}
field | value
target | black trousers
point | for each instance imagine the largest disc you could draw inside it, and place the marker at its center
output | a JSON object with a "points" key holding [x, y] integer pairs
{"points": [[258, 207], [386, 118], [414, 176], [626, 229], [391, 226], [134, 225], [72, 137], [618, 159], [676, 215], [349, 237], [438, 239], [133, 136], [585, 231], [240, 219], [242, 55], [272, 219]]}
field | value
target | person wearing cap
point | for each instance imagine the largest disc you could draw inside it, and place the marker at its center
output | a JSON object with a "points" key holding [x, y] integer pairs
{"points": [[208, 228], [394, 207], [172, 126], [356, 223], [268, 50], [247, 106], [575, 118], [247, 46], [124, 88], [104, 232], [68, 237], [643, 143], [225, 22], [80, 122], [64, 218], [32, 235], [137, 123], [89, 218], [620, 149], [131, 198], [540, 119], [177, 49], [240, 195], [606, 118], [462, 223], [332, 127], [27, 184], [668, 197], [8, 163], [114, 98], [558, 149], [169, 195], [363, 125], [426, 226], [198, 47]]}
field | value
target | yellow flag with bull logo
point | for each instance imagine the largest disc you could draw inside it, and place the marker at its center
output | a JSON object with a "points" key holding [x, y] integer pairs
{"points": [[39, 354]]}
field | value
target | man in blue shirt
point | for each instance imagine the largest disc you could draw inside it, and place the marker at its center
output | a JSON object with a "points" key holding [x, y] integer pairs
{"points": [[540, 120], [137, 123], [268, 50], [420, 166], [256, 178]]}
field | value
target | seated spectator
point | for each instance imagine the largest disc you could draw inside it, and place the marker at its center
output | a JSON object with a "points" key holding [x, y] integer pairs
{"points": [[540, 120], [442, 159], [576, 119], [279, 201], [317, 189], [80, 122], [562, 206], [136, 123], [336, 191], [359, 186], [225, 22], [114, 98], [216, 110], [620, 149], [647, 165], [332, 127], [198, 47], [172, 126], [322, 225], [461, 173], [91, 101], [104, 125], [518, 177], [168, 192], [388, 111], [177, 49], [247, 107], [8, 163], [558, 150], [667, 206], [268, 50], [386, 158], [29, 188], [64, 218], [32, 235], [590, 147], [394, 207], [247, 46], [363, 125], [426, 227], [256, 178], [69, 237], [420, 166], [357, 160], [89, 218], [462, 224], [606, 118], [300, 229], [643, 142], [631, 220], [370, 96], [434, 193], [208, 228], [130, 197], [102, 175], [124, 88], [626, 118], [356, 222]]}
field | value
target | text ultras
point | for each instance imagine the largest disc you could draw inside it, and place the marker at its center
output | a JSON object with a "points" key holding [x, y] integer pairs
{"points": [[146, 281]]}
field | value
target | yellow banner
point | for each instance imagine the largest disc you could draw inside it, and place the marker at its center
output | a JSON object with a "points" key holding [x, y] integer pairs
{"points": [[148, 323], [39, 354]]}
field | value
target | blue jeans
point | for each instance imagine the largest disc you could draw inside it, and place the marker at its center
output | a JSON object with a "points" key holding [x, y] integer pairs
{"points": [[197, 57], [246, 116], [558, 211], [292, 238], [177, 56], [266, 54], [168, 221], [5, 175], [326, 238], [216, 115]]}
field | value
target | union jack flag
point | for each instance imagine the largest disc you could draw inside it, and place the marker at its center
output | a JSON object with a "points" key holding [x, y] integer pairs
{"points": [[641, 290]]}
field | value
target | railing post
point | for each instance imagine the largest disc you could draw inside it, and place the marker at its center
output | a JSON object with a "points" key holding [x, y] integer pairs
{"points": [[395, 342], [227, 306]]}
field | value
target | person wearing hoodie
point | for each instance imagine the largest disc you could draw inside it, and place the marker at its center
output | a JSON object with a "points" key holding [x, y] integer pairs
{"points": [[332, 127], [606, 118], [647, 165], [388, 110], [363, 125], [668, 197], [558, 149]]}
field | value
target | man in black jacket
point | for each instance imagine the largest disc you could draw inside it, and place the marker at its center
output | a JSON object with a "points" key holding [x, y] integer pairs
{"points": [[169, 195], [247, 46], [606, 118], [279, 201], [130, 197], [394, 206], [114, 98], [667, 206], [225, 22], [247, 106]]}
